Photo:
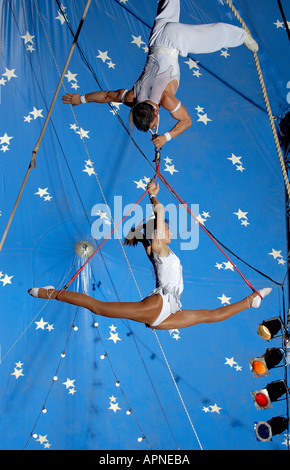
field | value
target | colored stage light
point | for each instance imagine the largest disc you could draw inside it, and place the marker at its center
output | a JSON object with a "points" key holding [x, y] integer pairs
{"points": [[265, 430], [269, 328], [264, 397], [260, 365]]}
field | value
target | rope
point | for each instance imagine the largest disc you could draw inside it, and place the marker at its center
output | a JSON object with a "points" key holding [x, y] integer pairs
{"points": [[206, 231], [32, 163], [107, 237], [36, 316], [157, 173], [178, 391], [266, 99]]}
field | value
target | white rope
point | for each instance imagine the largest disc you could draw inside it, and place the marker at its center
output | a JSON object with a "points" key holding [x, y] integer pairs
{"points": [[267, 102], [38, 313]]}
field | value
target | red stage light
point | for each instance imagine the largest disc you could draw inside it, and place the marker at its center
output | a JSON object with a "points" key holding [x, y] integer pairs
{"points": [[261, 399]]}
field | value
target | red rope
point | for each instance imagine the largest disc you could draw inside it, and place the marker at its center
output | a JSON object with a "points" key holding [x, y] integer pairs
{"points": [[206, 231], [157, 161], [112, 231]]}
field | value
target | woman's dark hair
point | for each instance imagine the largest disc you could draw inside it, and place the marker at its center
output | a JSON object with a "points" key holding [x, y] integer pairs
{"points": [[143, 115], [141, 233]]}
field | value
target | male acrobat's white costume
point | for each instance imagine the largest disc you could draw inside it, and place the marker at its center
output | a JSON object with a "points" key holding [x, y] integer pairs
{"points": [[170, 39]]}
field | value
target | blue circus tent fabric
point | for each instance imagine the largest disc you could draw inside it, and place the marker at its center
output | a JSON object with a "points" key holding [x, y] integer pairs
{"points": [[74, 381]]}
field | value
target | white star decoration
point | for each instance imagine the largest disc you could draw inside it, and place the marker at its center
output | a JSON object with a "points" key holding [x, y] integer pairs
{"points": [[36, 113], [227, 265], [175, 334], [114, 336], [103, 56], [276, 256], [80, 131], [280, 24], [237, 162], [114, 406], [214, 409], [18, 370], [42, 440], [9, 73], [70, 386], [242, 215], [141, 184], [224, 299], [224, 53], [41, 325], [28, 38], [169, 167], [71, 78], [43, 193], [5, 142], [6, 279], [230, 362], [137, 40], [192, 64], [5, 139], [62, 17], [202, 117]]}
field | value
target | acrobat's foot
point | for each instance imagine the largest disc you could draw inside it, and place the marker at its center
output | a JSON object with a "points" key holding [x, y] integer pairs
{"points": [[255, 299], [250, 42], [41, 292]]}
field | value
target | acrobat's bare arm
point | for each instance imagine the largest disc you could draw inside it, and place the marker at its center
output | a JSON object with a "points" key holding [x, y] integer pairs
{"points": [[182, 117], [116, 96]]}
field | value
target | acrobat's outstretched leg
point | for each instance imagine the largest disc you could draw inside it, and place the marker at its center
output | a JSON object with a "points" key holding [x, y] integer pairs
{"points": [[185, 318], [145, 311], [148, 309]]}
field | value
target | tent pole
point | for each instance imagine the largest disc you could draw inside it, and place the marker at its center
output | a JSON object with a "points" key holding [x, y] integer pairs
{"points": [[32, 164]]}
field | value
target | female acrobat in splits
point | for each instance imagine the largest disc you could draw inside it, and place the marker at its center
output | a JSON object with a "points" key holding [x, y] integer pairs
{"points": [[162, 308]]}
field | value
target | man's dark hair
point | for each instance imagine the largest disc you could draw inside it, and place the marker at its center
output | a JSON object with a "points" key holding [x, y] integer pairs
{"points": [[143, 115]]}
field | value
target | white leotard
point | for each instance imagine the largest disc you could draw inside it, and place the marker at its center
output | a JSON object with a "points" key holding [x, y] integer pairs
{"points": [[169, 283], [159, 70]]}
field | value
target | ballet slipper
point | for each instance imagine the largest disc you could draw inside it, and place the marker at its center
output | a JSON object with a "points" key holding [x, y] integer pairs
{"points": [[256, 302], [34, 291]]}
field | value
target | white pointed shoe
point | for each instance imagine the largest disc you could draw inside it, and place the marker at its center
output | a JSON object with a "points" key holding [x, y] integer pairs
{"points": [[34, 291], [257, 300], [250, 42]]}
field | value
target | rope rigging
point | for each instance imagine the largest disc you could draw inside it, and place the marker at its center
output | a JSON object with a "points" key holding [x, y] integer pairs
{"points": [[267, 103], [162, 178]]}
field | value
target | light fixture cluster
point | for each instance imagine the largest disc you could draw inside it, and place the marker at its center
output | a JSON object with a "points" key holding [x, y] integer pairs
{"points": [[277, 389]]}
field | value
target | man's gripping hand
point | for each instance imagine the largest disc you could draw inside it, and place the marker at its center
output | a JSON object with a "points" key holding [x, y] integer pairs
{"points": [[159, 141]]}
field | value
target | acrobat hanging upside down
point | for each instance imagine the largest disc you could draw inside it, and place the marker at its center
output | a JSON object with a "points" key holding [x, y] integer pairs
{"points": [[161, 309], [159, 81]]}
